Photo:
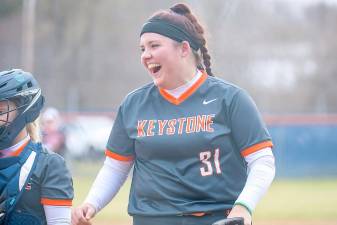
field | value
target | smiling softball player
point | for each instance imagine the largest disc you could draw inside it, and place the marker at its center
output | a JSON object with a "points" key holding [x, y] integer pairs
{"points": [[200, 150]]}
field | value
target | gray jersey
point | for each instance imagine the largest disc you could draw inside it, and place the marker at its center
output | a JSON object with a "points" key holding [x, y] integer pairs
{"points": [[189, 151], [50, 184]]}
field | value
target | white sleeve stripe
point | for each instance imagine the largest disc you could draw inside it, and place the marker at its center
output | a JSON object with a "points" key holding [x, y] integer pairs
{"points": [[26, 168], [57, 215], [261, 172], [108, 182], [258, 154]]}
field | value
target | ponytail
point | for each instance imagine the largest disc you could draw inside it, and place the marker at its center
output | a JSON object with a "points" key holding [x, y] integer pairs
{"points": [[34, 131], [198, 31]]}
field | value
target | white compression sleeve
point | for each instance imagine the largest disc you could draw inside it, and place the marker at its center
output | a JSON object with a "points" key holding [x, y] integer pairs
{"points": [[261, 172], [57, 215], [108, 182]]}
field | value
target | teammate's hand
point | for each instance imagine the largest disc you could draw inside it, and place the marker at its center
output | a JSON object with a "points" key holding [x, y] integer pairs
{"points": [[82, 214], [240, 211]]}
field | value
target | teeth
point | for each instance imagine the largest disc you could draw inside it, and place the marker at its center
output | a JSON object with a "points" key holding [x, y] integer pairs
{"points": [[152, 65]]}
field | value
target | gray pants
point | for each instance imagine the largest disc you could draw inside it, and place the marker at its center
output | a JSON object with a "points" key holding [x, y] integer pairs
{"points": [[179, 220]]}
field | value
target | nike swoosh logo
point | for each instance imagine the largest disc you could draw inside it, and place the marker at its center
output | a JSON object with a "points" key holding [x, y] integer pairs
{"points": [[207, 102]]}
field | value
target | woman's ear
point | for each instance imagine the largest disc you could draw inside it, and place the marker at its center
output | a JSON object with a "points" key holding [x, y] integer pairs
{"points": [[185, 48]]}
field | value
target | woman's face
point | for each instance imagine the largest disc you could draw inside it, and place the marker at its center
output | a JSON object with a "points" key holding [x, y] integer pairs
{"points": [[161, 57], [6, 116]]}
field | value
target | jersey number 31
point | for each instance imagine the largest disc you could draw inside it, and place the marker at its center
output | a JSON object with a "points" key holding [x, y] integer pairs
{"points": [[207, 160]]}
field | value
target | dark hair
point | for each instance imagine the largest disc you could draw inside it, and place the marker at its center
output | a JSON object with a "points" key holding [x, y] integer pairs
{"points": [[181, 15]]}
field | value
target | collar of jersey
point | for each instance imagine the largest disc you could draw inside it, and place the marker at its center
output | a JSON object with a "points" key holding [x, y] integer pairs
{"points": [[16, 149], [186, 94]]}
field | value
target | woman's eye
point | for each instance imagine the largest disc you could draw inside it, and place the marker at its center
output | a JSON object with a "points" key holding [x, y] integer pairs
{"points": [[154, 45]]}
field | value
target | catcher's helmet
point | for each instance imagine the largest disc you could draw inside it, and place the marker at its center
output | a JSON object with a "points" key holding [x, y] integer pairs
{"points": [[21, 88]]}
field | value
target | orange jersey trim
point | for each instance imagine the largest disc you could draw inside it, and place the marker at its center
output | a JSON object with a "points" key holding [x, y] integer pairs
{"points": [[256, 148], [117, 156], [198, 214], [187, 93], [56, 202], [20, 149]]}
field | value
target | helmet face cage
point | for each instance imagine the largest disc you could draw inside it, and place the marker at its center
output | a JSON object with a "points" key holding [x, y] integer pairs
{"points": [[4, 120], [19, 106], [22, 89]]}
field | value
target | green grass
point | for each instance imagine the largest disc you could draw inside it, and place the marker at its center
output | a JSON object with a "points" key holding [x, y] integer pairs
{"points": [[83, 177], [301, 199]]}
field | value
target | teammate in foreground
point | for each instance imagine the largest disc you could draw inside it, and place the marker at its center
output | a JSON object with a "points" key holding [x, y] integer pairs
{"points": [[200, 150], [35, 185]]}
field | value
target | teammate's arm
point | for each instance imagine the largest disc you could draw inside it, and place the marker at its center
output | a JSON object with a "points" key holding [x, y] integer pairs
{"points": [[106, 185]]}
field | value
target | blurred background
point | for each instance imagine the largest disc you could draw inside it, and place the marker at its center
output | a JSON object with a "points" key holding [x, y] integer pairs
{"points": [[85, 55]]}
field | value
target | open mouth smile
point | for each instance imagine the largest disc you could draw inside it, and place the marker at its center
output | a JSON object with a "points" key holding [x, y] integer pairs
{"points": [[154, 67]]}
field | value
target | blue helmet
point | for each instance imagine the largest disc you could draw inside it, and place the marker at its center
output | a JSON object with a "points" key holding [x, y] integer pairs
{"points": [[21, 88]]}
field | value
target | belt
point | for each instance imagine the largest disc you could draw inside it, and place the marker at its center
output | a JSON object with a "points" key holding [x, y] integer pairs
{"points": [[199, 214]]}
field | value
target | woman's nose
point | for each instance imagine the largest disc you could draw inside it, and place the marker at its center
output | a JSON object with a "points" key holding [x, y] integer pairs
{"points": [[146, 54]]}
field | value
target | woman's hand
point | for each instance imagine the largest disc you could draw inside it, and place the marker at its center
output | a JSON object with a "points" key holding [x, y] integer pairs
{"points": [[240, 211], [82, 214]]}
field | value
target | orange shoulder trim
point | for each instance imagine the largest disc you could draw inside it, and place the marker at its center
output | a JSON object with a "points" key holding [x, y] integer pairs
{"points": [[256, 148], [56, 202], [20, 149], [117, 156]]}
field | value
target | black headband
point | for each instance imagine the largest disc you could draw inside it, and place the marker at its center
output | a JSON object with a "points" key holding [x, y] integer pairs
{"points": [[169, 30]]}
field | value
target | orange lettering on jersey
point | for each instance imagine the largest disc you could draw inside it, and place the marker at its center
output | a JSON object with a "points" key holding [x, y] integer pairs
{"points": [[209, 123], [140, 127], [161, 124], [171, 127], [190, 125], [201, 123], [181, 122], [150, 128]]}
